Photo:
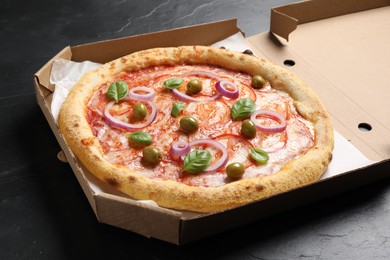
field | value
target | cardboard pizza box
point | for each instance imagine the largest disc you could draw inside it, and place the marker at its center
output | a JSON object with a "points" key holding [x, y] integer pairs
{"points": [[340, 52]]}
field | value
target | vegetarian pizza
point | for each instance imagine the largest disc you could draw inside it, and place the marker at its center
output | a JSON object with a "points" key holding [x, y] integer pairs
{"points": [[197, 128]]}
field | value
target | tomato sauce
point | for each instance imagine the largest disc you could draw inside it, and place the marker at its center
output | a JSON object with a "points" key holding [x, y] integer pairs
{"points": [[214, 123]]}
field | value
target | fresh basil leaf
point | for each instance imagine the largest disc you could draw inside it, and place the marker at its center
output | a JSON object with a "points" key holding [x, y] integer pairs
{"points": [[140, 138], [117, 90], [197, 161], [177, 108], [173, 83], [243, 108], [259, 155]]}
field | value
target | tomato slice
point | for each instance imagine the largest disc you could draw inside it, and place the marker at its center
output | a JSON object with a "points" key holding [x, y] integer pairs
{"points": [[238, 148], [120, 109], [95, 120], [212, 116], [245, 92], [99, 101], [270, 142]]}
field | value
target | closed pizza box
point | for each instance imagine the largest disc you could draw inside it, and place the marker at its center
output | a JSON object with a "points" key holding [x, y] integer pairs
{"points": [[339, 48]]}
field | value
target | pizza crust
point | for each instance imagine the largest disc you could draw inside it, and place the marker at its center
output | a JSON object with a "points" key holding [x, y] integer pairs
{"points": [[302, 171]]}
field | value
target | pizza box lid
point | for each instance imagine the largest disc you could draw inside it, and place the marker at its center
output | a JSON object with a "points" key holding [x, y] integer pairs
{"points": [[342, 54], [326, 50]]}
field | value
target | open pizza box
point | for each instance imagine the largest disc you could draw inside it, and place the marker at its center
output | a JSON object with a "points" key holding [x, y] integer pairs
{"points": [[339, 48]]}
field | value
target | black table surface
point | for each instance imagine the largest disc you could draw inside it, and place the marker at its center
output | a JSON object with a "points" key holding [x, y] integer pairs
{"points": [[44, 214]]}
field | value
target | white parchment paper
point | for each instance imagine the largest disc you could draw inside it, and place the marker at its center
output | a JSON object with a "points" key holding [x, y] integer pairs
{"points": [[64, 75]]}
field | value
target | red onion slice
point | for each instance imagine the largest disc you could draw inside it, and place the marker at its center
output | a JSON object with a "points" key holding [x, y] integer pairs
{"points": [[222, 88], [147, 94], [120, 124], [179, 148], [221, 162], [274, 115]]}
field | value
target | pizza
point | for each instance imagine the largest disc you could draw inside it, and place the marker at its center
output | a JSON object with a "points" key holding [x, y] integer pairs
{"points": [[197, 128]]}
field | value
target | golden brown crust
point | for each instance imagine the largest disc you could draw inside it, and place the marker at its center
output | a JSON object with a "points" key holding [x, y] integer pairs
{"points": [[302, 171]]}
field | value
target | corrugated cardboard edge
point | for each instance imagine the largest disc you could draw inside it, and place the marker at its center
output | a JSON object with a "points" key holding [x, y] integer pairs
{"points": [[285, 19], [138, 217]]}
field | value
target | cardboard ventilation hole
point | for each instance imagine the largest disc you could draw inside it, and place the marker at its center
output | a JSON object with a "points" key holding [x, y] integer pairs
{"points": [[289, 63]]}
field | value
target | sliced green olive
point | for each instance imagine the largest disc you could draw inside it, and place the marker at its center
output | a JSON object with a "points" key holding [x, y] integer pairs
{"points": [[248, 129], [235, 170], [140, 111], [189, 124], [257, 82], [151, 155], [194, 86]]}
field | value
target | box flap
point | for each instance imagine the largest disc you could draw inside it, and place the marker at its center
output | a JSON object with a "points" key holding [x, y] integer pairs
{"points": [[204, 34], [284, 19]]}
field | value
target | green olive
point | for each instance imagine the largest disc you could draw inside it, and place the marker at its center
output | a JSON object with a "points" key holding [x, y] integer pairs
{"points": [[248, 129], [235, 170], [140, 111], [257, 82], [189, 124], [194, 86], [151, 155]]}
